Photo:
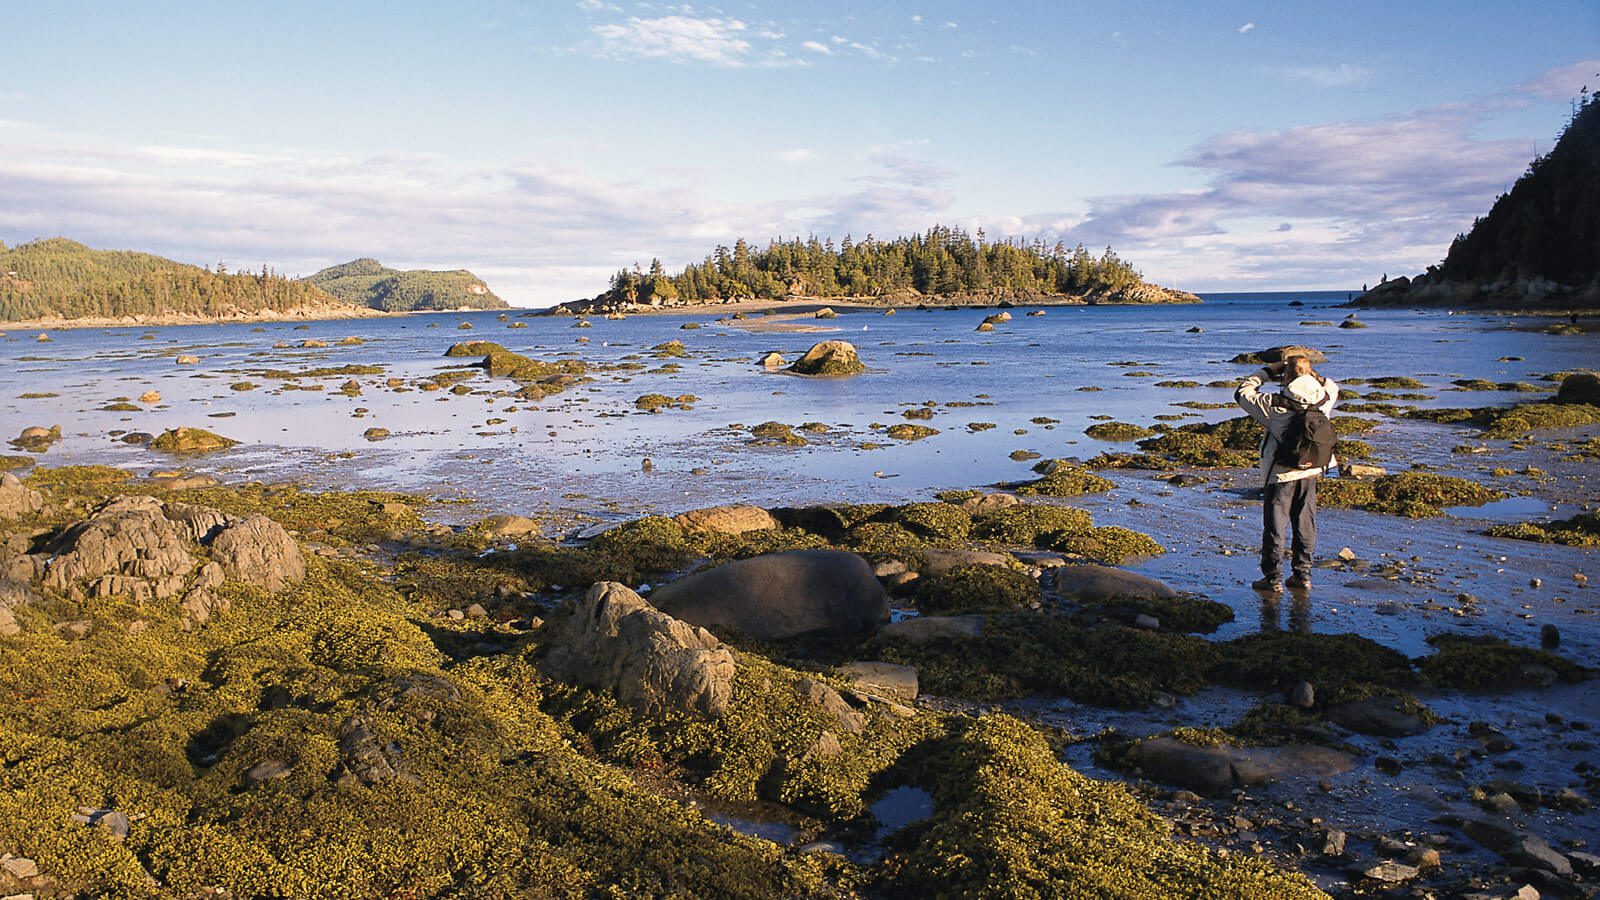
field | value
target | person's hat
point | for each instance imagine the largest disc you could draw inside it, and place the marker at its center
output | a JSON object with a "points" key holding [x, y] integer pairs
{"points": [[1306, 389]]}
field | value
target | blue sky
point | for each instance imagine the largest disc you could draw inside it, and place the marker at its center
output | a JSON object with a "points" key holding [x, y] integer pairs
{"points": [[1233, 146]]}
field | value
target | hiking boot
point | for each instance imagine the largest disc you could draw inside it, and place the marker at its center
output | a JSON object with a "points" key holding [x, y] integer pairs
{"points": [[1299, 581], [1267, 583]]}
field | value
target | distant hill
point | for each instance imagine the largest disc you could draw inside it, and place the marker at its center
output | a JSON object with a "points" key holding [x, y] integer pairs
{"points": [[1539, 246], [945, 265], [59, 278], [368, 282]]}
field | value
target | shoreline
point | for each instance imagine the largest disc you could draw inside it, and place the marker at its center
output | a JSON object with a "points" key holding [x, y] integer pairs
{"points": [[167, 320]]}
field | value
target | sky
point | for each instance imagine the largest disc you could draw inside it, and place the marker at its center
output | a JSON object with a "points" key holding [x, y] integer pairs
{"points": [[545, 145]]}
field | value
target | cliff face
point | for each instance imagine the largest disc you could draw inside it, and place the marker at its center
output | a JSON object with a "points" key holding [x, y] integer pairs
{"points": [[1538, 246]]}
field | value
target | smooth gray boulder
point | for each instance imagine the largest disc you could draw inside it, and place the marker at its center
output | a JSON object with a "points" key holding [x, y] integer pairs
{"points": [[1212, 770], [781, 595], [1381, 716], [612, 640], [936, 561], [1096, 583]]}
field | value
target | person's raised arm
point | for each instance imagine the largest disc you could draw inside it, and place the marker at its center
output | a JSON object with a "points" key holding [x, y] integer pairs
{"points": [[1249, 396]]}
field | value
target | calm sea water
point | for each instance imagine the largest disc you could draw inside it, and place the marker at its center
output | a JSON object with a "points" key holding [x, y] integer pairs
{"points": [[591, 441]]}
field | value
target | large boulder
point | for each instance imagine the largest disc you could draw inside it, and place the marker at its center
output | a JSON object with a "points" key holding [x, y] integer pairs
{"points": [[257, 551], [1212, 770], [127, 546], [727, 519], [139, 547], [612, 640], [1580, 387], [782, 595], [1092, 583], [191, 440], [1279, 354], [829, 358], [937, 561], [17, 499]]}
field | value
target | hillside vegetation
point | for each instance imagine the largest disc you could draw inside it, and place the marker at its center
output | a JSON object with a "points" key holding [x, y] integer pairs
{"points": [[943, 262], [60, 278], [367, 282], [1539, 244]]}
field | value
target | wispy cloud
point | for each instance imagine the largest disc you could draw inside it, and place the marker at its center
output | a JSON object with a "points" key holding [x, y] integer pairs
{"points": [[1566, 81], [714, 41], [1342, 75], [1247, 27], [818, 47]]}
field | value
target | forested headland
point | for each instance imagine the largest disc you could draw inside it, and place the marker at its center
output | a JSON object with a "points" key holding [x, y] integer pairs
{"points": [[1539, 244], [943, 263], [58, 278], [367, 282]]}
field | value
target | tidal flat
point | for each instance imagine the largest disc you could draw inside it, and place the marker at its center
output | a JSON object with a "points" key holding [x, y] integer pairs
{"points": [[448, 511]]}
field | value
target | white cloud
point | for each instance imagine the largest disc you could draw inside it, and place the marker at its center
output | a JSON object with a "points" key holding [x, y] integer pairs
{"points": [[687, 39], [817, 47], [598, 6], [1342, 75], [1565, 82], [949, 24], [1247, 27], [916, 20]]}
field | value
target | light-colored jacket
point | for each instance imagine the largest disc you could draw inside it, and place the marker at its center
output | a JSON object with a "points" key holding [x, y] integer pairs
{"points": [[1274, 416]]}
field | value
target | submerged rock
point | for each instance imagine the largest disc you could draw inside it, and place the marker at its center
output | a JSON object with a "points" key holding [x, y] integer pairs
{"points": [[1381, 716], [614, 640], [781, 595]]}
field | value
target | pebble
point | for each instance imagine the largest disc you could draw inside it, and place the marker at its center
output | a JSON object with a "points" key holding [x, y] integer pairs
{"points": [[1391, 872]]}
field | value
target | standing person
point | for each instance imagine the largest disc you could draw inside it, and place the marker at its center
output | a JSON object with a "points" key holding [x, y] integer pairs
{"points": [[1293, 457]]}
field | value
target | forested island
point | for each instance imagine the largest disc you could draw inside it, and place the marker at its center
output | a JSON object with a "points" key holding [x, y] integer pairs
{"points": [[367, 282], [57, 279], [1538, 247], [945, 264]]}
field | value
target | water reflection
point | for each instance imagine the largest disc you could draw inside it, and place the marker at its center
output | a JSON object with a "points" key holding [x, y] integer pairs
{"points": [[1299, 612]]}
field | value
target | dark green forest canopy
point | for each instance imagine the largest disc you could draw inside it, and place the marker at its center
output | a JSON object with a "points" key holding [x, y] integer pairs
{"points": [[61, 278], [367, 282], [940, 262]]}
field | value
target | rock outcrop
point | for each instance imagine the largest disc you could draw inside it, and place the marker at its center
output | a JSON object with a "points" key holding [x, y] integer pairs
{"points": [[1580, 387], [782, 595], [727, 519], [829, 358], [17, 499], [613, 640], [141, 548], [191, 440]]}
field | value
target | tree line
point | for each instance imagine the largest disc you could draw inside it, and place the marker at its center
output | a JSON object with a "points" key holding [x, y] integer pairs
{"points": [[942, 261], [61, 278]]}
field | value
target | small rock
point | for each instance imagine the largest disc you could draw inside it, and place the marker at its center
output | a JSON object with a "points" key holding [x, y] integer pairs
{"points": [[1391, 872], [187, 360], [1423, 858], [1303, 695], [1333, 843], [476, 611], [1347, 554], [1549, 637], [1388, 765], [1147, 622], [20, 867], [150, 397]]}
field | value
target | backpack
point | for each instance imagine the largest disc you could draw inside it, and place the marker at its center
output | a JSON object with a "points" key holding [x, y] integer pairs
{"points": [[1307, 441]]}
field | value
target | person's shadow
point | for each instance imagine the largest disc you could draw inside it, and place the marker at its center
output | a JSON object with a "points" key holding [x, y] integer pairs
{"points": [[1272, 611]]}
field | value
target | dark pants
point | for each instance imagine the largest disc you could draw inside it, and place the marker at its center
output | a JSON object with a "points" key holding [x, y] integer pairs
{"points": [[1288, 505]]}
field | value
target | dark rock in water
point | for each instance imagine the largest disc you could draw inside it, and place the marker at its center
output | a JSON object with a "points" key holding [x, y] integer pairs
{"points": [[1185, 479], [781, 595], [1581, 387], [1381, 716], [1517, 847], [1091, 583], [1279, 354], [1212, 770], [1196, 329], [1388, 765], [612, 640], [138, 438], [1549, 637]]}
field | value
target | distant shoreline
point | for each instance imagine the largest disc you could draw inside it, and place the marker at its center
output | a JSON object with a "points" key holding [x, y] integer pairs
{"points": [[163, 320]]}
